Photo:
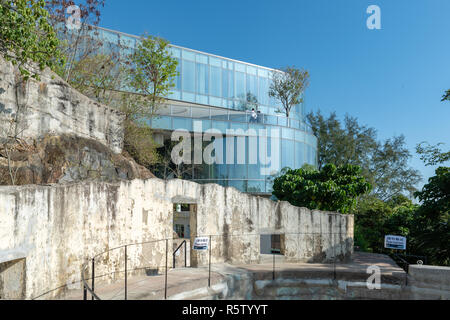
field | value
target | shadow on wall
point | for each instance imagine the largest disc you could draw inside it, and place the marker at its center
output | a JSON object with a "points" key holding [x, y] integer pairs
{"points": [[12, 280]]}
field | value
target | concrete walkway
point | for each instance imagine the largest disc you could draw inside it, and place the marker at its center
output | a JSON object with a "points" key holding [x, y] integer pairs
{"points": [[190, 279]]}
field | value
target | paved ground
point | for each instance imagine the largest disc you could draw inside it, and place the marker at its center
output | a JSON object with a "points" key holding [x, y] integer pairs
{"points": [[187, 279]]}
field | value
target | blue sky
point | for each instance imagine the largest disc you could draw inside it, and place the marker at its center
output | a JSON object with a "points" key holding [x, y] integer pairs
{"points": [[390, 79]]}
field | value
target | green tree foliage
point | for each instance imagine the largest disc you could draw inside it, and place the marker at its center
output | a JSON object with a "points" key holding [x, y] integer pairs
{"points": [[154, 70], [446, 96], [383, 164], [332, 188], [76, 44], [432, 155], [288, 87], [375, 218], [26, 37], [432, 222]]}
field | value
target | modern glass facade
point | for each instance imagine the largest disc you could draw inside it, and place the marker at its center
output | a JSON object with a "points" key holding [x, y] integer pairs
{"points": [[219, 93]]}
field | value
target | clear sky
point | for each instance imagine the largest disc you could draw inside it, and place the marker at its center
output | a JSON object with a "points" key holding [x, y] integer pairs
{"points": [[390, 79]]}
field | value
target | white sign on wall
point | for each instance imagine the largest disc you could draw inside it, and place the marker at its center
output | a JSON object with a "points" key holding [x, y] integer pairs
{"points": [[201, 243], [395, 242]]}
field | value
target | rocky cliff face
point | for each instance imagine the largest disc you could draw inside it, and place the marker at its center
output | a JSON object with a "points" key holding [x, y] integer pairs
{"points": [[65, 159], [51, 106], [51, 133]]}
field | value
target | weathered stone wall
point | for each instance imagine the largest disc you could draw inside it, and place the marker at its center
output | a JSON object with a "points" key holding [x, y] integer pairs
{"points": [[51, 106], [57, 227], [429, 282]]}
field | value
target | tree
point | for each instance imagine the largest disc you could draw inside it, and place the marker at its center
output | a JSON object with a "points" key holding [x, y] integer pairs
{"points": [[154, 70], [29, 42], [332, 188], [446, 96], [433, 217], [288, 87], [383, 164], [388, 169], [432, 155], [80, 42], [375, 218], [26, 37]]}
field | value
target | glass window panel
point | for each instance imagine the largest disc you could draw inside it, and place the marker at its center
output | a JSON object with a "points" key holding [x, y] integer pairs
{"points": [[222, 126], [201, 99], [270, 120], [252, 85], [163, 111], [219, 114], [177, 80], [240, 86], [188, 76], [188, 55], [251, 70], [282, 121], [238, 116], [175, 95], [238, 184], [202, 78], [263, 73], [254, 169], [201, 58], [287, 154], [216, 81], [263, 96], [294, 123], [299, 154], [127, 41], [217, 102], [181, 111], [256, 186], [206, 125], [227, 84], [215, 62], [288, 133], [239, 125], [299, 135], [182, 123], [230, 65], [175, 52], [189, 97], [239, 67], [200, 113], [162, 123]]}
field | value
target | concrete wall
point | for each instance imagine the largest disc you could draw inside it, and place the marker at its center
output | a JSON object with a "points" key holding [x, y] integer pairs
{"points": [[57, 227], [429, 282], [52, 106]]}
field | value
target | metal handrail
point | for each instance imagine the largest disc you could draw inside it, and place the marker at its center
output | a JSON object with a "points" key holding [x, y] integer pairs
{"points": [[176, 250], [91, 288]]}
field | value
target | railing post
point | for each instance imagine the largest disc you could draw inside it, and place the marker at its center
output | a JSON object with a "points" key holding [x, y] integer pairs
{"points": [[173, 258], [84, 292], [334, 256], [165, 282], [93, 277], [126, 273], [209, 268], [185, 253], [273, 266]]}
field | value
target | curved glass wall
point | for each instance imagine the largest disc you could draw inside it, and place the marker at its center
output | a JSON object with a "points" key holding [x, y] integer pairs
{"points": [[218, 93], [209, 79], [247, 154]]}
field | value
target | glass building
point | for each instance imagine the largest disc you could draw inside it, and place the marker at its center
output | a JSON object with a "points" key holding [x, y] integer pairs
{"points": [[218, 93]]}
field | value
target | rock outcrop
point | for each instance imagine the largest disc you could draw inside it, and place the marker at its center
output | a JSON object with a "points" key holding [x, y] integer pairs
{"points": [[51, 106], [65, 159]]}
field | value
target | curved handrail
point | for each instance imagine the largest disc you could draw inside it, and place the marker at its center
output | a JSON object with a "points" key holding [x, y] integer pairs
{"points": [[87, 287]]}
